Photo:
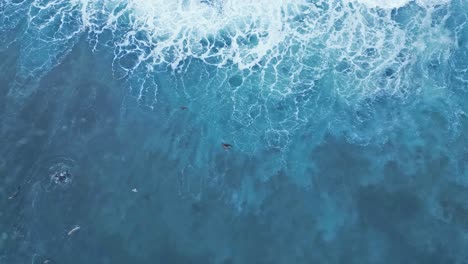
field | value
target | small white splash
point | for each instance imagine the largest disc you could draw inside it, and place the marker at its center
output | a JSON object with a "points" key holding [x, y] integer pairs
{"points": [[73, 230], [134, 190]]}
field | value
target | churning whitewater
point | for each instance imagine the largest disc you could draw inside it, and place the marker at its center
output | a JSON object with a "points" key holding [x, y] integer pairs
{"points": [[269, 52]]}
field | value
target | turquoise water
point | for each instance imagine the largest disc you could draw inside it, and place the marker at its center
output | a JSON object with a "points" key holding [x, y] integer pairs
{"points": [[348, 122]]}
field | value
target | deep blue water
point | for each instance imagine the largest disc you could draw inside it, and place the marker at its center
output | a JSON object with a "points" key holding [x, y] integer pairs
{"points": [[348, 123]]}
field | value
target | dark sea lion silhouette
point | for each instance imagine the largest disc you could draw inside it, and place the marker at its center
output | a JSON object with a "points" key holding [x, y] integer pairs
{"points": [[226, 146]]}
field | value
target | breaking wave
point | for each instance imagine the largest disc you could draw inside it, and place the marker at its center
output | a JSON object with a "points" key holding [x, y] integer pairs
{"points": [[276, 64]]}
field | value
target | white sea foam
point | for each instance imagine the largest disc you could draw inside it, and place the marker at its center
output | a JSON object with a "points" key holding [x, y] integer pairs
{"points": [[357, 42], [389, 4], [175, 30], [384, 3]]}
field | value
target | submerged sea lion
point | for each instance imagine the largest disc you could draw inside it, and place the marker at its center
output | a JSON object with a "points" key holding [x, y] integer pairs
{"points": [[226, 146], [13, 196]]}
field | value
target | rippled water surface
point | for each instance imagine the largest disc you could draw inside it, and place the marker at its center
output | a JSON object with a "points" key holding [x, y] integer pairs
{"points": [[345, 126]]}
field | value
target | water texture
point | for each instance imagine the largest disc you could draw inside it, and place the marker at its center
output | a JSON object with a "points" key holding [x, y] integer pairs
{"points": [[347, 122]]}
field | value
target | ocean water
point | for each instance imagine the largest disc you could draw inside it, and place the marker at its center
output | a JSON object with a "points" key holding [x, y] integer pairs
{"points": [[348, 121]]}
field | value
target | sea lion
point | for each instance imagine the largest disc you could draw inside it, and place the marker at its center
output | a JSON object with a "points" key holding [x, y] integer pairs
{"points": [[13, 196], [226, 146]]}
